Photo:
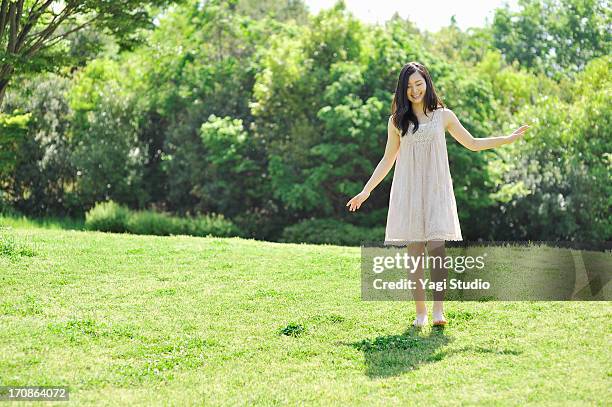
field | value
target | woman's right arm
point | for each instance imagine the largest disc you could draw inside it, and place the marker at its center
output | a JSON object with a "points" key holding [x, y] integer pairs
{"points": [[388, 159], [382, 169]]}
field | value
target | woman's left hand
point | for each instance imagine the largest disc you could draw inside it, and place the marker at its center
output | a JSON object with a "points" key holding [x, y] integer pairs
{"points": [[518, 133]]}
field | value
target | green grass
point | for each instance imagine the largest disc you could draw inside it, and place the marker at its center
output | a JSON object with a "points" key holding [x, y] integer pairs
{"points": [[149, 320], [22, 221]]}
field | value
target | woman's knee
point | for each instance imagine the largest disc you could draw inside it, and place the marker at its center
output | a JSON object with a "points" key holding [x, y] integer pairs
{"points": [[416, 247], [435, 244]]}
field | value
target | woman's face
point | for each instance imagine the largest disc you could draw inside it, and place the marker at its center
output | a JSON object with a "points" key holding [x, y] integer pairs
{"points": [[416, 88]]}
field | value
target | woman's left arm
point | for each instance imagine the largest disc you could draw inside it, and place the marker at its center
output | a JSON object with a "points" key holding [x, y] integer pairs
{"points": [[456, 129]]}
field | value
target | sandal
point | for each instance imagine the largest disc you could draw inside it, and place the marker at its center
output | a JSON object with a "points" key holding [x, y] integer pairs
{"points": [[440, 322]]}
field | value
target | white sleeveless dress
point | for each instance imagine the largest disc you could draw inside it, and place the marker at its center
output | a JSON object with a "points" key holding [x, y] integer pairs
{"points": [[422, 203]]}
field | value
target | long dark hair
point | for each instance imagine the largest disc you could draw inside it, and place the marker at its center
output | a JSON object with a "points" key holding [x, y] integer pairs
{"points": [[401, 108]]}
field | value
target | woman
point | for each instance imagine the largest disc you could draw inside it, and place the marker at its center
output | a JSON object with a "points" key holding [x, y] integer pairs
{"points": [[422, 208]]}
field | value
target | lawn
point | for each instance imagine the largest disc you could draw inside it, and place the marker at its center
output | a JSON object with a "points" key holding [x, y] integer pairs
{"points": [[146, 320]]}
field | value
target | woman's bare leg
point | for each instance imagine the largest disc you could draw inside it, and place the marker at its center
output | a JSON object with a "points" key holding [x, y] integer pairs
{"points": [[415, 250], [439, 273]]}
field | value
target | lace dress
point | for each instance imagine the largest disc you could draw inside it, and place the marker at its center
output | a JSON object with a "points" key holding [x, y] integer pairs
{"points": [[422, 203]]}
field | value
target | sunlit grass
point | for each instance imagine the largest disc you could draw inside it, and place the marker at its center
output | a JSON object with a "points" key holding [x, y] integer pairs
{"points": [[22, 221], [149, 320]]}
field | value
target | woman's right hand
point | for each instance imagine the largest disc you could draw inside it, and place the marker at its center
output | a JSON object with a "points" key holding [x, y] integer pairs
{"points": [[357, 200]]}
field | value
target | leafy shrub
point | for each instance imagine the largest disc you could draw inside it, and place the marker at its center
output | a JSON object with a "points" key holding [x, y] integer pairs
{"points": [[6, 209], [261, 223], [161, 224], [331, 231], [107, 217], [212, 224], [112, 217], [153, 223]]}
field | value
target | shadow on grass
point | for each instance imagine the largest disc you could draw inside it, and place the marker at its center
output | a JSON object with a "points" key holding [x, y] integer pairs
{"points": [[393, 355]]}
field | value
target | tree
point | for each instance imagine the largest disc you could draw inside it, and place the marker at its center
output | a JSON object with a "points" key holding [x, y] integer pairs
{"points": [[557, 184], [13, 132], [31, 30], [108, 155], [280, 10], [41, 180], [551, 36]]}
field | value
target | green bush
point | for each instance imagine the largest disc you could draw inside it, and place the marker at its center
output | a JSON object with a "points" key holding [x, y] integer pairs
{"points": [[212, 224], [6, 209], [111, 217], [331, 231], [161, 224], [153, 223], [107, 217]]}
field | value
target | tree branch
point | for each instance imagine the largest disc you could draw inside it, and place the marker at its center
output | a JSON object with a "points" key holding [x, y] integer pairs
{"points": [[6, 71], [59, 37], [32, 20], [43, 31], [3, 18], [47, 32], [12, 27], [19, 13], [33, 7], [36, 14], [14, 19]]}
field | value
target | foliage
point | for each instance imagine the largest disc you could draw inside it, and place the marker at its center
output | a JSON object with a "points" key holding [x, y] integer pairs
{"points": [[107, 216], [162, 224], [562, 171], [42, 182], [33, 33], [551, 36], [331, 231], [210, 224], [108, 154], [13, 130], [273, 117], [112, 217], [230, 170]]}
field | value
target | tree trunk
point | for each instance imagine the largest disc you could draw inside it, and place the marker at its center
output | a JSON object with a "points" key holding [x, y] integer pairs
{"points": [[2, 92], [4, 81]]}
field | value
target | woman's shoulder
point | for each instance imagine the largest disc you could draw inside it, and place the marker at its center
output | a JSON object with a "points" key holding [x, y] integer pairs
{"points": [[392, 123], [445, 114], [443, 109]]}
